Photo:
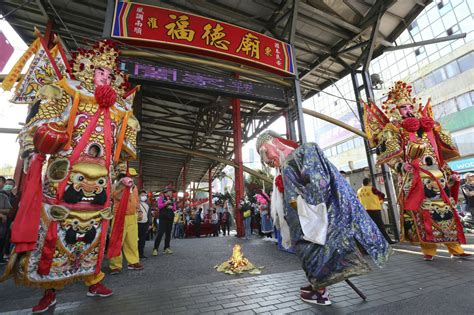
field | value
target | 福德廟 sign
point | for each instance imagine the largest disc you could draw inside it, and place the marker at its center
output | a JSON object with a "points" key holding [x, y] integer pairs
{"points": [[153, 26]]}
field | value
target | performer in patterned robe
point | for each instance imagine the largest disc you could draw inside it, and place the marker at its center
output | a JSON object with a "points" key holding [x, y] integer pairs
{"points": [[80, 123], [417, 148], [307, 174]]}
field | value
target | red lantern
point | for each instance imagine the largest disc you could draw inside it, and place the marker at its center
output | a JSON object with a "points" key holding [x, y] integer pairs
{"points": [[50, 138]]}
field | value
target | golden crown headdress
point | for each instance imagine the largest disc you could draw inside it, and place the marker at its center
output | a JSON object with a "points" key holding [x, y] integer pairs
{"points": [[103, 54], [399, 94]]}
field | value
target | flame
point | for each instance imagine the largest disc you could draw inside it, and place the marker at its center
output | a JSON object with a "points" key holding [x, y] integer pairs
{"points": [[238, 264], [238, 260]]}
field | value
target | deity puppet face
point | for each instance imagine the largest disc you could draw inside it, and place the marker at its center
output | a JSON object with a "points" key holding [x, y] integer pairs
{"points": [[406, 110], [270, 154], [102, 76], [87, 184], [127, 181]]}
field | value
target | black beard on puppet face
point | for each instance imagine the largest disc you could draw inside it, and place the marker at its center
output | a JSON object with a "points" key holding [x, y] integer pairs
{"points": [[432, 193], [442, 216], [73, 196], [71, 236]]}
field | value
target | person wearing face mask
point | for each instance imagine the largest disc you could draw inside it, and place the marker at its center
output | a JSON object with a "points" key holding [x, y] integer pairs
{"points": [[12, 198], [167, 207], [8, 189], [5, 208], [143, 222]]}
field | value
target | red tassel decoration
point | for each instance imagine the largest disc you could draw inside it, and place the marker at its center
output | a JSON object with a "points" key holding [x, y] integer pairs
{"points": [[116, 237], [416, 194], [47, 253], [279, 183], [103, 238], [26, 225]]}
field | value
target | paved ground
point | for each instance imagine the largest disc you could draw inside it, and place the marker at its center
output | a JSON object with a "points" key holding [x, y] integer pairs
{"points": [[186, 283]]}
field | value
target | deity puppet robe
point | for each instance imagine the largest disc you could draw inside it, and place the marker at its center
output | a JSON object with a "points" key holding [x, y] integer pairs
{"points": [[75, 206], [307, 173], [428, 194]]}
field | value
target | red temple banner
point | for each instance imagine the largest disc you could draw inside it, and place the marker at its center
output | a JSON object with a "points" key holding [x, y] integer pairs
{"points": [[152, 26]]}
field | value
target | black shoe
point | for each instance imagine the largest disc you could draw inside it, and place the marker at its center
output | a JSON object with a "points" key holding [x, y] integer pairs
{"points": [[143, 257], [392, 242]]}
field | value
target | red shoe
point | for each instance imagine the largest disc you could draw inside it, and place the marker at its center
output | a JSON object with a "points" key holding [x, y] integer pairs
{"points": [[315, 297], [48, 300], [461, 256], [114, 271], [99, 289], [136, 266], [428, 258], [306, 289]]}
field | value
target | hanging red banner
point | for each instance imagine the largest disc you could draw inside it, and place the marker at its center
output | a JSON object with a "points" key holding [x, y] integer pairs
{"points": [[152, 26]]}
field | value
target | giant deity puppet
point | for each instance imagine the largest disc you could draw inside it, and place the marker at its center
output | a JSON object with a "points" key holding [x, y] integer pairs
{"points": [[417, 149], [81, 124], [320, 216]]}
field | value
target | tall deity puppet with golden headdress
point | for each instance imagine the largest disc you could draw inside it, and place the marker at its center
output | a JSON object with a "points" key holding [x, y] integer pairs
{"points": [[80, 123], [417, 148]]}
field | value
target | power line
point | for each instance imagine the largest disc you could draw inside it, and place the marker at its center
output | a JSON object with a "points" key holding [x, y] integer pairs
{"points": [[337, 96]]}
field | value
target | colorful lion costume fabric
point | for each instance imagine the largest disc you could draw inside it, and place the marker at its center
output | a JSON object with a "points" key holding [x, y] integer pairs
{"points": [[81, 124], [417, 148]]}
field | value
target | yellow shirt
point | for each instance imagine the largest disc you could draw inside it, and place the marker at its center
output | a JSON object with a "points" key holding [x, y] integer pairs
{"points": [[368, 199], [176, 217]]}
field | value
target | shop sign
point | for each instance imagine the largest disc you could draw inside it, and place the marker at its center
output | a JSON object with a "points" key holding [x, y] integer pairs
{"points": [[462, 165], [157, 27]]}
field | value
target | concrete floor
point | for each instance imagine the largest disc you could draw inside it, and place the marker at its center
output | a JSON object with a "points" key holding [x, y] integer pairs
{"points": [[187, 283]]}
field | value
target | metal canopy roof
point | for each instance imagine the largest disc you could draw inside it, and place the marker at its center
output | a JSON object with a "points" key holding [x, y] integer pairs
{"points": [[328, 38]]}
